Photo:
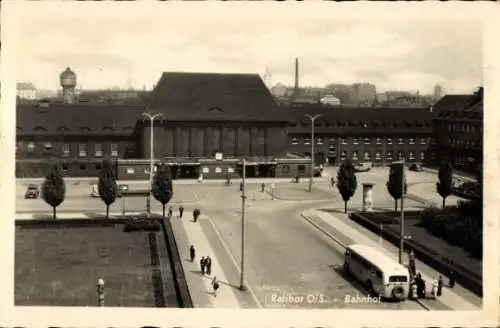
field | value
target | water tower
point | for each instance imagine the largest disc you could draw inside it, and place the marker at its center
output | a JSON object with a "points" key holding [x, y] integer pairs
{"points": [[68, 84]]}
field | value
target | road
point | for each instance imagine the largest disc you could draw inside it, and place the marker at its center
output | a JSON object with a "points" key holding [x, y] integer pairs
{"points": [[285, 256]]}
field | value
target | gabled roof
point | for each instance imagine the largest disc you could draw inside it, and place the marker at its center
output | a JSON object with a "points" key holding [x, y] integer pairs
{"points": [[459, 107], [77, 119], [362, 120], [218, 97]]}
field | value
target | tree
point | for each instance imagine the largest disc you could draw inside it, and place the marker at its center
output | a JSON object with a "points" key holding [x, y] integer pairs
{"points": [[394, 183], [444, 186], [162, 186], [53, 188], [346, 182], [107, 187]]}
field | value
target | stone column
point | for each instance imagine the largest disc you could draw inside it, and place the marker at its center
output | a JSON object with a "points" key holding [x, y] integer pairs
{"points": [[368, 197]]}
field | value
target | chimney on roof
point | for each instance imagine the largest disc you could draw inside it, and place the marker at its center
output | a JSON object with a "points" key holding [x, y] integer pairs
{"points": [[431, 108]]}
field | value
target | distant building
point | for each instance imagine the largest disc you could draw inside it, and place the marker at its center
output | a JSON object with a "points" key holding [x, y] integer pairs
{"points": [[330, 100], [438, 92], [279, 90], [26, 91], [363, 93]]}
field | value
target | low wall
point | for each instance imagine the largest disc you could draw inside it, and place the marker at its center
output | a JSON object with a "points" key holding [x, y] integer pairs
{"points": [[181, 287], [463, 276]]}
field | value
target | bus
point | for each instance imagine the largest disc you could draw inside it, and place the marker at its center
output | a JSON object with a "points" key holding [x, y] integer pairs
{"points": [[377, 271]]}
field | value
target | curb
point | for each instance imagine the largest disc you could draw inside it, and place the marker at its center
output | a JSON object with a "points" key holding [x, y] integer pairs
{"points": [[329, 235]]}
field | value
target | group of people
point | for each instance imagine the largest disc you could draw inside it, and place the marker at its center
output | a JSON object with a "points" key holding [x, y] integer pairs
{"points": [[416, 281], [196, 212], [206, 267]]}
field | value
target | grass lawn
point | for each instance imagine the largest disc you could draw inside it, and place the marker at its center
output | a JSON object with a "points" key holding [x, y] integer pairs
{"points": [[59, 266]]}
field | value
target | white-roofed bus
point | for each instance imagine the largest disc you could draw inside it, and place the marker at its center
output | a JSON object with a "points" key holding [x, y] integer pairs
{"points": [[380, 273]]}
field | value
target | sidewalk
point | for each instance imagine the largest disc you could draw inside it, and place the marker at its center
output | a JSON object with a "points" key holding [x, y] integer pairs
{"points": [[345, 232], [189, 233], [72, 215], [456, 174], [184, 181]]}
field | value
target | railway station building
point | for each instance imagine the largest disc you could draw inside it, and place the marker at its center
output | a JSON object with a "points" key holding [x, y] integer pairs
{"points": [[206, 124]]}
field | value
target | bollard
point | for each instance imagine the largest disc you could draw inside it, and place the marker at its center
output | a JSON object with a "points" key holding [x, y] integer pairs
{"points": [[100, 292]]}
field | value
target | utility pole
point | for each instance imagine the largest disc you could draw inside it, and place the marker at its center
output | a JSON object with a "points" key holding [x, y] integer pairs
{"points": [[312, 118], [243, 198], [151, 157]]}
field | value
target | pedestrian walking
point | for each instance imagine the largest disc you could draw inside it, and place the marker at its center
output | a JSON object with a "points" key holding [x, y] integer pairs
{"points": [[451, 279], [200, 178], [192, 253], [440, 286], [215, 285], [202, 264], [262, 187], [196, 214], [170, 211], [209, 264], [241, 186], [181, 211]]}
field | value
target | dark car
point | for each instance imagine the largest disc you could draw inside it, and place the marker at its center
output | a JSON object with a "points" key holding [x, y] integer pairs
{"points": [[32, 192], [416, 167]]}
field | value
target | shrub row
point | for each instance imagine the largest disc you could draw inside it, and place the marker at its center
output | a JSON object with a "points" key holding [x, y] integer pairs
{"points": [[460, 226], [463, 276], [141, 225]]}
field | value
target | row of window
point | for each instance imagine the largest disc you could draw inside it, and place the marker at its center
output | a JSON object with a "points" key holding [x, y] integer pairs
{"points": [[456, 127], [82, 149], [460, 143], [356, 141], [389, 155]]}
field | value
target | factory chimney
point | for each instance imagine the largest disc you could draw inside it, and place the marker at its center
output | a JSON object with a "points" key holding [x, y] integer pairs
{"points": [[296, 88]]}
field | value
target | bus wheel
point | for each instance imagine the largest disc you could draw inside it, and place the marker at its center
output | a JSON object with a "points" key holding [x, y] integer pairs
{"points": [[370, 287]]}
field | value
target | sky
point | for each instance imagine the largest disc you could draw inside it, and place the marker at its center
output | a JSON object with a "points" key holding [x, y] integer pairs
{"points": [[107, 50]]}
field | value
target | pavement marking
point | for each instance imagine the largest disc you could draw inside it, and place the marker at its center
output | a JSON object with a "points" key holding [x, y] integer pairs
{"points": [[225, 296], [247, 285]]}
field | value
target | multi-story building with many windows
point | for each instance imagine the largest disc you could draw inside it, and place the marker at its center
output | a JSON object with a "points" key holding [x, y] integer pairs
{"points": [[377, 135], [458, 131]]}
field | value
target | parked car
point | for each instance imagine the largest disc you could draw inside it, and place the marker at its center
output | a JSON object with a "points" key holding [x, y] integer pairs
{"points": [[416, 167], [32, 192], [121, 189], [363, 167]]}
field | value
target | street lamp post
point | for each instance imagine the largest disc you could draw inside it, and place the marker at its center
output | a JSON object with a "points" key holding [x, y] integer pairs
{"points": [[312, 118], [151, 118], [243, 198], [402, 216]]}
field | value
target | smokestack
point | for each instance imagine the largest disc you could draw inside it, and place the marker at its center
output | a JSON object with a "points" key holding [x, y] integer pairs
{"points": [[296, 90]]}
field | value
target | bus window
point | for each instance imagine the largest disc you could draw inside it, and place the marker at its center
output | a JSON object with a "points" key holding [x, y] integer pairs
{"points": [[398, 279]]}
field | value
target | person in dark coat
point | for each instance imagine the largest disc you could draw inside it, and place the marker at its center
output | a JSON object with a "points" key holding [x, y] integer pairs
{"points": [[262, 187], [215, 285], [440, 286], [209, 264], [451, 281], [192, 253], [203, 263], [170, 211], [196, 214], [181, 211]]}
